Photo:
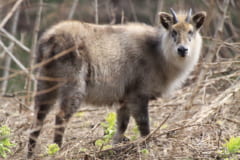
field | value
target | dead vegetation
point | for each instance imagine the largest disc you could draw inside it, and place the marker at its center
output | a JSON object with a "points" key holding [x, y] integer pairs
{"points": [[193, 124]]}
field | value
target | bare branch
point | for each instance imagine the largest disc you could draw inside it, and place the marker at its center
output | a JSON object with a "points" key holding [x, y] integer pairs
{"points": [[96, 12], [14, 58], [159, 8], [210, 55], [122, 17], [12, 38], [8, 58], [133, 10], [9, 15], [73, 9]]}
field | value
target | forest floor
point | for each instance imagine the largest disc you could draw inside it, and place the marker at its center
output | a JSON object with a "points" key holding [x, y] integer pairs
{"points": [[194, 123]]}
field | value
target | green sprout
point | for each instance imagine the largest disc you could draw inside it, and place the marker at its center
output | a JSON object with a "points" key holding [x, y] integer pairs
{"points": [[144, 151], [5, 143], [109, 127], [232, 146], [52, 149], [136, 132]]}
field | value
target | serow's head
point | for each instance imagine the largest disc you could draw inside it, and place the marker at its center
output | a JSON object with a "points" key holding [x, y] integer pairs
{"points": [[182, 29]]}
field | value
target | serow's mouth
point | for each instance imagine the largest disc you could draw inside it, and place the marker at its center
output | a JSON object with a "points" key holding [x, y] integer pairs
{"points": [[182, 54]]}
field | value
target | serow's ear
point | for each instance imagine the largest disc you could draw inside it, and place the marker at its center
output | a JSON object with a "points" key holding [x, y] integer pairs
{"points": [[165, 19], [198, 19]]}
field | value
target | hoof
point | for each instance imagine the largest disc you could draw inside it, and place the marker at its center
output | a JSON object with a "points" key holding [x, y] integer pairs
{"points": [[119, 139]]}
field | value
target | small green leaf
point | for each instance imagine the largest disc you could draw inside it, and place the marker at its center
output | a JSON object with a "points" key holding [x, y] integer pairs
{"points": [[136, 130], [164, 126], [5, 143], [233, 145], [99, 142], [133, 138], [107, 147], [109, 127], [83, 150], [79, 114], [219, 122], [144, 151], [52, 149], [5, 131]]}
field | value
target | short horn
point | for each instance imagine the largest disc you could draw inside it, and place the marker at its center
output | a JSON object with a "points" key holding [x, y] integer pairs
{"points": [[175, 20], [189, 15]]}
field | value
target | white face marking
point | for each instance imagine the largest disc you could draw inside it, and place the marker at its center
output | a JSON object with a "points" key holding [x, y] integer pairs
{"points": [[181, 36]]}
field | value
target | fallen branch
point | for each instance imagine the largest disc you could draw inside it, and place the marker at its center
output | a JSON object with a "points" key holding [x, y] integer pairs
{"points": [[220, 100], [233, 121], [154, 131]]}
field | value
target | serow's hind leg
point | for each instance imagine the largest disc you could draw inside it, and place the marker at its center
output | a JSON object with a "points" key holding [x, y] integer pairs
{"points": [[123, 115], [43, 103], [70, 101]]}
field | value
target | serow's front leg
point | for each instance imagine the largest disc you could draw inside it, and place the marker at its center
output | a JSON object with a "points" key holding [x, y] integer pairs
{"points": [[139, 111]]}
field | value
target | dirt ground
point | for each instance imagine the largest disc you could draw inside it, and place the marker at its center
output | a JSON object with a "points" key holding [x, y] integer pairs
{"points": [[193, 124]]}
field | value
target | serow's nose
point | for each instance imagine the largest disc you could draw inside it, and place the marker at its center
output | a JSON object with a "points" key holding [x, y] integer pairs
{"points": [[182, 51]]}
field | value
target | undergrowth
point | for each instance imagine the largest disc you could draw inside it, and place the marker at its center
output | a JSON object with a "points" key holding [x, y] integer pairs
{"points": [[5, 143], [109, 127]]}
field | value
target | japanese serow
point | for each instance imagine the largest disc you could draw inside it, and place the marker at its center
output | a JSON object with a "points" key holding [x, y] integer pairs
{"points": [[128, 64]]}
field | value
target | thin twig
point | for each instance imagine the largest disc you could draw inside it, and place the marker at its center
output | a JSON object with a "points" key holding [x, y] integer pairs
{"points": [[34, 50], [154, 131], [12, 38], [45, 62], [57, 56], [233, 121], [179, 128]]}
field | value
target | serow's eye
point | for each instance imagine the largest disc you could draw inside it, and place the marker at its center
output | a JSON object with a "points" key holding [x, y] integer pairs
{"points": [[190, 33], [174, 33]]}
